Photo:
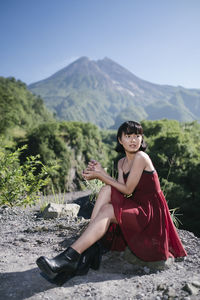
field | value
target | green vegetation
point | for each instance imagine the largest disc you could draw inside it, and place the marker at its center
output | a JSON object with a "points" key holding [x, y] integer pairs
{"points": [[94, 186], [34, 147], [69, 146], [19, 185], [19, 108]]}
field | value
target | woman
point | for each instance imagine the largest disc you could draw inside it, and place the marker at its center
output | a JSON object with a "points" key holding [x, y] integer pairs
{"points": [[132, 208]]}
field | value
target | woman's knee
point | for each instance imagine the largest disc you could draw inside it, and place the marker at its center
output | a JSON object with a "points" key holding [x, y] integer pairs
{"points": [[107, 211], [106, 189]]}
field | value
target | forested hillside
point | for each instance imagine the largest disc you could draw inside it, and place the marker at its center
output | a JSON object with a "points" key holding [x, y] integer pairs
{"points": [[68, 146], [19, 108]]}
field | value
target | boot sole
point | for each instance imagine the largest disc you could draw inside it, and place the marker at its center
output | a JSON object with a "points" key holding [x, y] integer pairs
{"points": [[59, 279]]}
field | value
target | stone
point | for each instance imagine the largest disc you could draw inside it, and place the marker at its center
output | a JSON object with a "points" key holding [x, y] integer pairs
{"points": [[170, 292], [161, 287], [196, 283], [54, 210], [155, 265], [191, 289], [146, 270]]}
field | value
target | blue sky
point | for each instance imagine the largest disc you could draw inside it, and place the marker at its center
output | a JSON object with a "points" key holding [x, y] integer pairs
{"points": [[157, 40]]}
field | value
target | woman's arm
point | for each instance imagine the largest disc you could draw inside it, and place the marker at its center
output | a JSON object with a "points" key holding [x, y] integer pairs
{"points": [[126, 188]]}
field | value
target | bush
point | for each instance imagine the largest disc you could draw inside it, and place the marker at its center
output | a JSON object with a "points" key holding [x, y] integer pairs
{"points": [[19, 185]]}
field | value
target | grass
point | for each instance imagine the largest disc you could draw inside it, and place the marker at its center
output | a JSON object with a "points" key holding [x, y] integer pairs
{"points": [[94, 186], [58, 198]]}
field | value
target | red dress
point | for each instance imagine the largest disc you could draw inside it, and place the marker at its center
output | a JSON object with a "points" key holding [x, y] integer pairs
{"points": [[144, 222]]}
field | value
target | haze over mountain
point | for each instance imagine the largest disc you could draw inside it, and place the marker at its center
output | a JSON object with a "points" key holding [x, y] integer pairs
{"points": [[104, 93]]}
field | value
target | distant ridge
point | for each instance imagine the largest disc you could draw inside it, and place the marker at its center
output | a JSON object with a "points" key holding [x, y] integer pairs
{"points": [[105, 93]]}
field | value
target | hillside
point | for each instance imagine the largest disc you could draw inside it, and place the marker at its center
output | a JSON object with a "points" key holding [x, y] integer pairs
{"points": [[19, 108], [104, 93]]}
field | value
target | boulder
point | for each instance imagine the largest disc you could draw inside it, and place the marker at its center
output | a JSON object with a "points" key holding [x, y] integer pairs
{"points": [[155, 265], [54, 210]]}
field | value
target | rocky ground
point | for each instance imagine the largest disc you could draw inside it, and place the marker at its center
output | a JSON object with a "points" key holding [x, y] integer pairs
{"points": [[25, 235]]}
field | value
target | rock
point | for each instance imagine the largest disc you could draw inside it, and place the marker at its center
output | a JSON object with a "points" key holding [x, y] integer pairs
{"points": [[54, 210], [170, 292], [146, 270], [23, 239], [39, 242], [156, 265], [196, 283], [161, 287], [139, 296], [191, 289]]}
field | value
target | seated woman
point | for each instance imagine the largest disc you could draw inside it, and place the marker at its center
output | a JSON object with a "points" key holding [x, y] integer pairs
{"points": [[132, 208]]}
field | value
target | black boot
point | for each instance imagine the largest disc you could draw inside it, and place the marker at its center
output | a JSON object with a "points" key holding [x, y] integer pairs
{"points": [[66, 261], [90, 258]]}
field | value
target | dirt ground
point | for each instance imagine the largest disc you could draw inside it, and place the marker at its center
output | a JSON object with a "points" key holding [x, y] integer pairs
{"points": [[24, 237]]}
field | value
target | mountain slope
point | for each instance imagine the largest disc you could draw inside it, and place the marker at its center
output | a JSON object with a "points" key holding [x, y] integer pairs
{"points": [[19, 107], [105, 93]]}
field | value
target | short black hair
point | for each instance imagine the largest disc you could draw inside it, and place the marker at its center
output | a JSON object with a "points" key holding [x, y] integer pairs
{"points": [[130, 127]]}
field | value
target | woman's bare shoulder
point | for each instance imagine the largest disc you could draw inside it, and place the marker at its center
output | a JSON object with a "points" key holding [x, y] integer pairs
{"points": [[142, 154]]}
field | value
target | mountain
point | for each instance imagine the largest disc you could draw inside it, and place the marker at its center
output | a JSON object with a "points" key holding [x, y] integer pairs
{"points": [[105, 93]]}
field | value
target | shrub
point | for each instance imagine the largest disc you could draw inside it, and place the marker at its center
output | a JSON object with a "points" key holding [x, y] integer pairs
{"points": [[19, 185]]}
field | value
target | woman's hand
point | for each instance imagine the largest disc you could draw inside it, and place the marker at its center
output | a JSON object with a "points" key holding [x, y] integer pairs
{"points": [[95, 166], [93, 171], [89, 174]]}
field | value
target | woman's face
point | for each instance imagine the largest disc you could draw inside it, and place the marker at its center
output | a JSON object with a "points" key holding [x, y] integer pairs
{"points": [[131, 142]]}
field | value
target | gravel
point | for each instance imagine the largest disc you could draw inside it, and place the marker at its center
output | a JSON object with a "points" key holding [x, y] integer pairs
{"points": [[25, 236]]}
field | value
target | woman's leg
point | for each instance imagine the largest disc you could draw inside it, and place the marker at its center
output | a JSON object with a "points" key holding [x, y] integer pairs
{"points": [[68, 260], [102, 199], [96, 229]]}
